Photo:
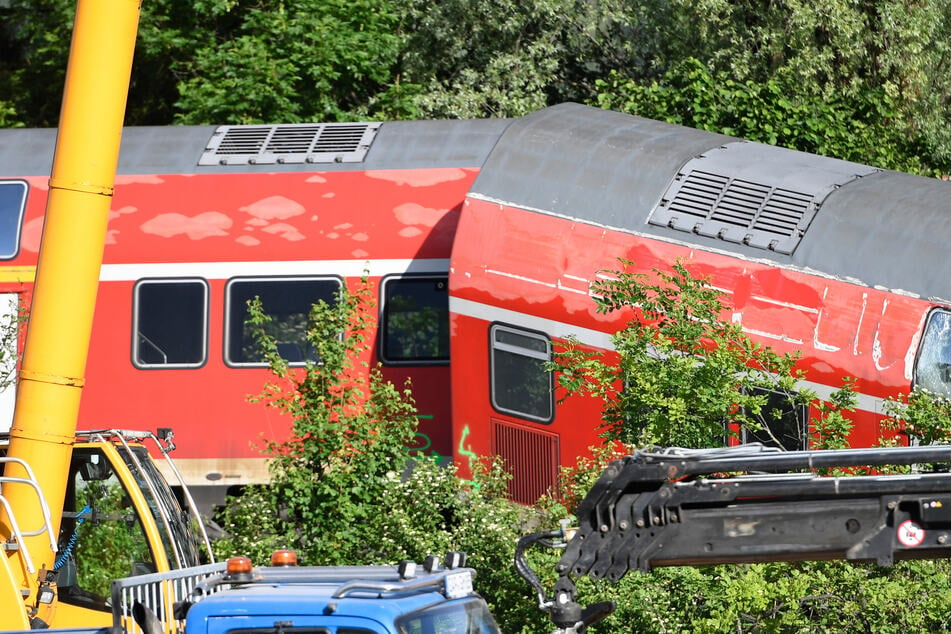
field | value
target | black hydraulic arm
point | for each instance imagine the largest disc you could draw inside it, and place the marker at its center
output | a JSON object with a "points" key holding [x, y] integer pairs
{"points": [[750, 504]]}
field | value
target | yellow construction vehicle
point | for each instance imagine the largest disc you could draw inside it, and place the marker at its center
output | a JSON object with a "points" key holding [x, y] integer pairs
{"points": [[119, 519], [76, 510]]}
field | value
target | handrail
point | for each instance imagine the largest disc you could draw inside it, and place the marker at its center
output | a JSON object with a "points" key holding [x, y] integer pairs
{"points": [[158, 593], [435, 580], [17, 533]]}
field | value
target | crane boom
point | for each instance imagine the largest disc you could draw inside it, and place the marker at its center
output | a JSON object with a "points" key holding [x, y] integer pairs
{"points": [[54, 362], [746, 504]]}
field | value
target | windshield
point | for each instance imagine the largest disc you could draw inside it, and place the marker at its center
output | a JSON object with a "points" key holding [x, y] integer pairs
{"points": [[179, 531], [464, 616], [933, 367]]}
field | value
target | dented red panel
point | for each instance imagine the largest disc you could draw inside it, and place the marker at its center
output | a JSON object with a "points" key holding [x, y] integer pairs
{"points": [[534, 270]]}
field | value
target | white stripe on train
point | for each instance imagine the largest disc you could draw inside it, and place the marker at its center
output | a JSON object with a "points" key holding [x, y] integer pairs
{"points": [[227, 270], [598, 339]]}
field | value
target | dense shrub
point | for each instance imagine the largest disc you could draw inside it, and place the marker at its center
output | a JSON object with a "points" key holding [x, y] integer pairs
{"points": [[346, 490]]}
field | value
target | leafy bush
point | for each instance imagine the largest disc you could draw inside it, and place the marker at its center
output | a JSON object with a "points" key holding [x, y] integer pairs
{"points": [[684, 376], [920, 417], [350, 431], [346, 490]]}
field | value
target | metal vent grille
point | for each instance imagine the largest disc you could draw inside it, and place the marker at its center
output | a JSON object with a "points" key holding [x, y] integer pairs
{"points": [[292, 143], [530, 456], [738, 209], [752, 194]]}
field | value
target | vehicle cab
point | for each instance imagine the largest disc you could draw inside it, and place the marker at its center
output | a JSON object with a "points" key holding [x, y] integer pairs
{"points": [[120, 519], [403, 599]]}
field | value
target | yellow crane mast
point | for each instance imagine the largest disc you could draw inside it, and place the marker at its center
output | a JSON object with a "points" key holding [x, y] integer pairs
{"points": [[54, 361]]}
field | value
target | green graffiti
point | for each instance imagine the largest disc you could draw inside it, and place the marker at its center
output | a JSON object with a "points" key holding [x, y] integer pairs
{"points": [[463, 450], [425, 444], [471, 457]]}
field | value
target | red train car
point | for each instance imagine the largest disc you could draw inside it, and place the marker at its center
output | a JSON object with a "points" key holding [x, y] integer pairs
{"points": [[495, 229], [838, 261], [204, 218]]}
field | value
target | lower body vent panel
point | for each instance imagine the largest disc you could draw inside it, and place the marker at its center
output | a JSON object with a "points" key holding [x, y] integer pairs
{"points": [[530, 456]]}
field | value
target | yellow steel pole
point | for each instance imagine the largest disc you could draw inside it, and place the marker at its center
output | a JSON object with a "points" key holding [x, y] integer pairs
{"points": [[81, 185]]}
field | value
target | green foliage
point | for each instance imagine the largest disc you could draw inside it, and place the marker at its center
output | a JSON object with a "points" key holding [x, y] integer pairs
{"points": [[508, 58], [291, 60], [683, 376], [8, 115], [847, 79], [835, 49], [111, 543], [866, 81], [822, 596], [773, 110], [431, 510], [478, 59], [227, 61], [252, 526], [35, 44], [830, 427], [350, 431], [921, 417]]}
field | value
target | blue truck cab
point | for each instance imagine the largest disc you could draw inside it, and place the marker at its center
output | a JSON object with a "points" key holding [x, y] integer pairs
{"points": [[403, 599]]}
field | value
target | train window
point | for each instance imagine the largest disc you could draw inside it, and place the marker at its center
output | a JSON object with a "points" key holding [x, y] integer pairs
{"points": [[287, 301], [12, 206], [785, 423], [521, 385], [933, 366], [170, 323], [415, 320]]}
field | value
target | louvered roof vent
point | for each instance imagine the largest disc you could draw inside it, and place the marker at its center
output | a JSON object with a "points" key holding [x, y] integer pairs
{"points": [[758, 195], [289, 143]]}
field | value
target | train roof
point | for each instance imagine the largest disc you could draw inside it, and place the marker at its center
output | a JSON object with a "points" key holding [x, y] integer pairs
{"points": [[270, 148], [846, 220]]}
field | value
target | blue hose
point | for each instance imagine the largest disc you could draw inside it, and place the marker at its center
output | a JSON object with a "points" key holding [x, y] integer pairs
{"points": [[66, 552]]}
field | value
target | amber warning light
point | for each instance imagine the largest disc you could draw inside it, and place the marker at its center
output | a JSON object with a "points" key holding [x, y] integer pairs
{"points": [[283, 558], [238, 569]]}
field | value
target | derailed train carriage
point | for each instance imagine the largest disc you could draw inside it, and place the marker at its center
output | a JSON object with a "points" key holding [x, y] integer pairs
{"points": [[841, 262], [480, 240]]}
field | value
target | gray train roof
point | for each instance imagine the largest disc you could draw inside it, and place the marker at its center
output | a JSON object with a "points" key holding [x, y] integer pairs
{"points": [[181, 149], [879, 228]]}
